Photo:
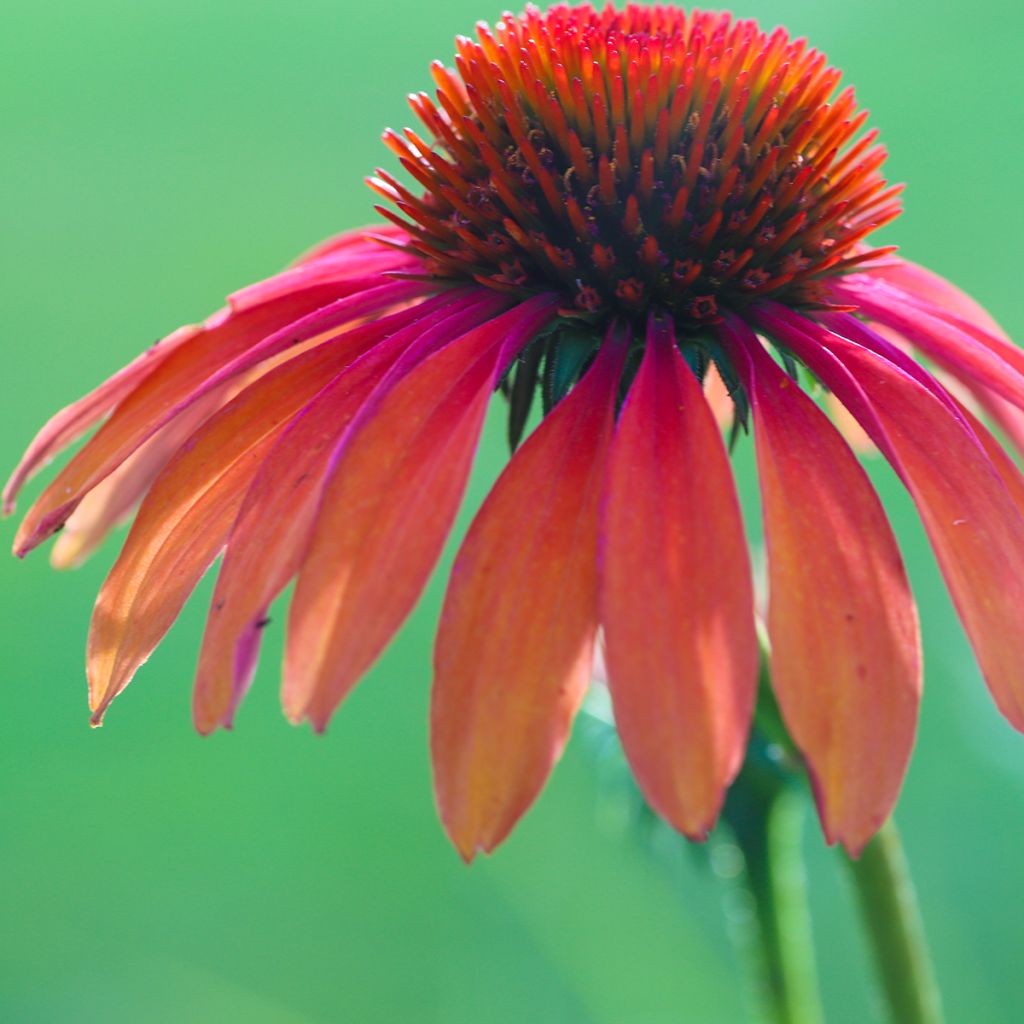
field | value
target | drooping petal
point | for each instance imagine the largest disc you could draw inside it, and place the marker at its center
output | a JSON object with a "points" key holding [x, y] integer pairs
{"points": [[73, 421], [943, 297], [845, 649], [1007, 469], [112, 500], [963, 348], [387, 509], [337, 267], [269, 537], [278, 306], [926, 284], [187, 514], [971, 518], [201, 364], [514, 648], [358, 242], [677, 603]]}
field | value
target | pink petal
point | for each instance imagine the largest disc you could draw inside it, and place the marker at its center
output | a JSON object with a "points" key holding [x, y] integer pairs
{"points": [[343, 268], [360, 241], [971, 353], [920, 284], [926, 284], [284, 303]]}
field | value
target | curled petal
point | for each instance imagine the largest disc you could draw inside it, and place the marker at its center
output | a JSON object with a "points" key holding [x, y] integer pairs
{"points": [[677, 601], [514, 647], [845, 649]]}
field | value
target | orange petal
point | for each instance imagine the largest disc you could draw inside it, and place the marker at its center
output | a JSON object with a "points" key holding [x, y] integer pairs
{"points": [[226, 348], [856, 436], [718, 398], [677, 602], [185, 518], [845, 649], [111, 501], [386, 511], [270, 535], [971, 517], [73, 421], [514, 648]]}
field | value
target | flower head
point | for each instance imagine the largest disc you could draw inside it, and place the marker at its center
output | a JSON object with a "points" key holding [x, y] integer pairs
{"points": [[649, 159], [624, 211]]}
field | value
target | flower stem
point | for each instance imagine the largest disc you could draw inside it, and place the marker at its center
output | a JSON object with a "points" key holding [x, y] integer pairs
{"points": [[888, 905], [771, 843]]}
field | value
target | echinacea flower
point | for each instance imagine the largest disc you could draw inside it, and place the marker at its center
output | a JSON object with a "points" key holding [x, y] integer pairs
{"points": [[618, 210]]}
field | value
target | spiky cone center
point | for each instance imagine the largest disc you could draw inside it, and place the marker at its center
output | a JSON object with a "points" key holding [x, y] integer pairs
{"points": [[638, 160]]}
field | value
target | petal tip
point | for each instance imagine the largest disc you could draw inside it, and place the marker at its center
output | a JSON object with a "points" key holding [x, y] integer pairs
{"points": [[203, 724], [466, 854], [467, 846]]}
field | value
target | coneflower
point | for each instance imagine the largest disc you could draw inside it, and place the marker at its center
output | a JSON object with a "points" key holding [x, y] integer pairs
{"points": [[611, 209]]}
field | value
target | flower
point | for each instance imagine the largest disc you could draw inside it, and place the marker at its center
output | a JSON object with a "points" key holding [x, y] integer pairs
{"points": [[622, 211]]}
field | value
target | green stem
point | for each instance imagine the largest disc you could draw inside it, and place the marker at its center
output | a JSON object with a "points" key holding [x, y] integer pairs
{"points": [[770, 837], [888, 905]]}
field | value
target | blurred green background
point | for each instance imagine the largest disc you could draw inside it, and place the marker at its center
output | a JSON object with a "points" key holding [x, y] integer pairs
{"points": [[157, 155]]}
